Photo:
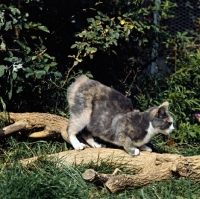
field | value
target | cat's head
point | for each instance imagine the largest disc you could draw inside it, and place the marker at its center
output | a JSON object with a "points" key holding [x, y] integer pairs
{"points": [[162, 121]]}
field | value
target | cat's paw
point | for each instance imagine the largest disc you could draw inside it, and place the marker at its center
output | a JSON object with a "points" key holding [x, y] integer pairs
{"points": [[133, 151], [96, 145], [145, 148], [79, 146], [75, 143]]}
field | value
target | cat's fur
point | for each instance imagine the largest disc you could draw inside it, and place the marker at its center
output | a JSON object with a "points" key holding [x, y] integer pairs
{"points": [[109, 115]]}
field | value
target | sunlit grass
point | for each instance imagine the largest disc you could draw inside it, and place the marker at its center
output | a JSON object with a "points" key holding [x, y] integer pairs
{"points": [[45, 179]]}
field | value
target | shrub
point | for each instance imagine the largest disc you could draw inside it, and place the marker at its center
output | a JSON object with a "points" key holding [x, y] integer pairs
{"points": [[181, 88]]}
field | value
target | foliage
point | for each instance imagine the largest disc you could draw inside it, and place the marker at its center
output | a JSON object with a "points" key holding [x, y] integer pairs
{"points": [[181, 88], [100, 37], [26, 66]]}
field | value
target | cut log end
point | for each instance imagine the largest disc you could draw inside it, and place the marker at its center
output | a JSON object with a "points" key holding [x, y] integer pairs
{"points": [[89, 175]]}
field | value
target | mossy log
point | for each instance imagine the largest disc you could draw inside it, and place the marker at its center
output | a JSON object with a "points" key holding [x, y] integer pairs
{"points": [[149, 167]]}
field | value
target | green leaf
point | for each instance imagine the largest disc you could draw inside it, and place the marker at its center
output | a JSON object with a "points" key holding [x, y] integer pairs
{"points": [[34, 58], [19, 89], [2, 70], [52, 64], [125, 15], [8, 25], [40, 73], [128, 32], [90, 19], [14, 75], [117, 35], [24, 46], [73, 46], [14, 10], [28, 70], [57, 74], [11, 87], [89, 75], [46, 68], [10, 94], [29, 74], [43, 28]]}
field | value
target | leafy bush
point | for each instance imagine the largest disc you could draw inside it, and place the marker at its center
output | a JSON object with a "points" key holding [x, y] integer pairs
{"points": [[181, 88], [183, 93], [111, 41], [26, 68]]}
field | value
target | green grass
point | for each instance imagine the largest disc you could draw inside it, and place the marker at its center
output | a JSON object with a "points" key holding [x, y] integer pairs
{"points": [[44, 179]]}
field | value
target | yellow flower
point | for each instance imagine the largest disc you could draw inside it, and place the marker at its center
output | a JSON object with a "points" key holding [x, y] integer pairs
{"points": [[92, 51], [122, 22], [98, 22]]}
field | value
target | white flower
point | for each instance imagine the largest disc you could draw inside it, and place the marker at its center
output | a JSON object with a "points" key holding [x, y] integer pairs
{"points": [[16, 67]]}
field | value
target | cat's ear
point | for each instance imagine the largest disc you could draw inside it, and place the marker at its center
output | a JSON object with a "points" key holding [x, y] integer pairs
{"points": [[161, 110]]}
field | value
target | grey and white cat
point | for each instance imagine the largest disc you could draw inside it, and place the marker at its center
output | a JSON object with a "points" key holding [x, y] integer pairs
{"points": [[109, 115]]}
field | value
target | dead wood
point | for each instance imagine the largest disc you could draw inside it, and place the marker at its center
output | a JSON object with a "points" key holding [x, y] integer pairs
{"points": [[149, 167], [119, 182], [39, 125]]}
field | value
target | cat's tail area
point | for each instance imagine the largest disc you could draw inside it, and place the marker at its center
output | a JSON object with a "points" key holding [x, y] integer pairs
{"points": [[74, 87], [78, 82], [81, 78]]}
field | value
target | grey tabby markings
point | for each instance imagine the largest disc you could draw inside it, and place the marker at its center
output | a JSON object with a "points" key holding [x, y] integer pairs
{"points": [[109, 115]]}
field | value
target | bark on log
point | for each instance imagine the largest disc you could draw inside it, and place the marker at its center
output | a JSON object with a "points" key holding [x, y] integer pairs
{"points": [[149, 167], [40, 124]]}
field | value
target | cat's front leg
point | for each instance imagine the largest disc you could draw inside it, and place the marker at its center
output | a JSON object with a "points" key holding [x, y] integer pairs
{"points": [[130, 148], [133, 151], [145, 148]]}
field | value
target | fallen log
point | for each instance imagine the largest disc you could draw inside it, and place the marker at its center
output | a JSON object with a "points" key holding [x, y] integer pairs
{"points": [[149, 167], [38, 125]]}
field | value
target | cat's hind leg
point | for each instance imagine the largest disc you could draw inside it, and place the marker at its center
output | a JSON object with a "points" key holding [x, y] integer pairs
{"points": [[90, 140], [76, 124], [72, 130], [145, 148]]}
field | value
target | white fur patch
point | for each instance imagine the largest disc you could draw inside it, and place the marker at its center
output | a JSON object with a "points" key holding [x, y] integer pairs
{"points": [[133, 151], [75, 143], [145, 148], [96, 145], [150, 133]]}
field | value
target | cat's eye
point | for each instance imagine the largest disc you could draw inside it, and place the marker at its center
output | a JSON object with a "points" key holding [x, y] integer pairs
{"points": [[169, 123]]}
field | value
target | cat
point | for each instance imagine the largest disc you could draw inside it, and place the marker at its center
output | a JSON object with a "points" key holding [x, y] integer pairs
{"points": [[109, 115]]}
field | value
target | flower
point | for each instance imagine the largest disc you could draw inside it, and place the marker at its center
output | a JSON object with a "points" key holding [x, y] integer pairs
{"points": [[16, 67], [197, 115]]}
